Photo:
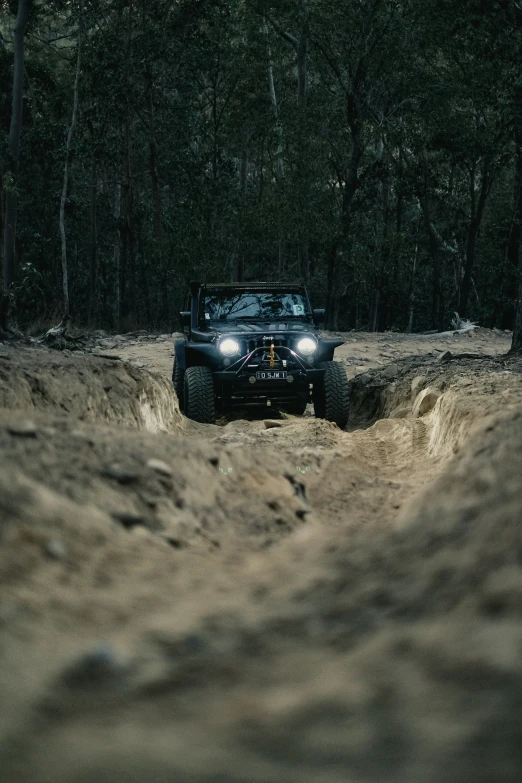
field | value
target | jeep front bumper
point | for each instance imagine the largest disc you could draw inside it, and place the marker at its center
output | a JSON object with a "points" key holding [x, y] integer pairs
{"points": [[303, 376]]}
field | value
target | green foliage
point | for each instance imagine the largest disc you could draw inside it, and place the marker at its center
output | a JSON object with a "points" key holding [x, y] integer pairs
{"points": [[410, 116]]}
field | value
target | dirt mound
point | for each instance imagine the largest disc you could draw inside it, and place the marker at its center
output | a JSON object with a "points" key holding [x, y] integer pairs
{"points": [[185, 490], [379, 393], [269, 600], [88, 387]]}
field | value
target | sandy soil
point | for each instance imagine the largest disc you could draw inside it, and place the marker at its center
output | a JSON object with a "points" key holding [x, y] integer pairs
{"points": [[360, 352], [265, 600]]}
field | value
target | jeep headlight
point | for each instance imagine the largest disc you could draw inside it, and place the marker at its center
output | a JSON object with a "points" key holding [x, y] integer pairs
{"points": [[229, 347], [306, 346]]}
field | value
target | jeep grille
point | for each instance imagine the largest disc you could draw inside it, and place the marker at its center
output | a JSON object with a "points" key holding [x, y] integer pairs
{"points": [[260, 343]]}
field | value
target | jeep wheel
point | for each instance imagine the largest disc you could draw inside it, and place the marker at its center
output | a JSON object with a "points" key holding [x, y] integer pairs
{"points": [[199, 395], [296, 407], [331, 396], [178, 381]]}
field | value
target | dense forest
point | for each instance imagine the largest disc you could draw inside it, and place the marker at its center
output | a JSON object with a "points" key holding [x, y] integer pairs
{"points": [[370, 147]]}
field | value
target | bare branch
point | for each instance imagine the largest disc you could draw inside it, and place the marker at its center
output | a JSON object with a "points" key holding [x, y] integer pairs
{"points": [[283, 33], [47, 41], [331, 62]]}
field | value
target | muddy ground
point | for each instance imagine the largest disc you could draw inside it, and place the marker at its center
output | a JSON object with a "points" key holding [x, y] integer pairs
{"points": [[267, 600]]}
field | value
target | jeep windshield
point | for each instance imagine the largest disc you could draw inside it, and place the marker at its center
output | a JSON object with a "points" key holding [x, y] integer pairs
{"points": [[253, 305]]}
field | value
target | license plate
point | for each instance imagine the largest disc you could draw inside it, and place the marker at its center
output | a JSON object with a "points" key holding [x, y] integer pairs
{"points": [[272, 375]]}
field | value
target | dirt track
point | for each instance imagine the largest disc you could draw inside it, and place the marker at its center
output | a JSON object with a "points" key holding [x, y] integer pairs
{"points": [[240, 603]]}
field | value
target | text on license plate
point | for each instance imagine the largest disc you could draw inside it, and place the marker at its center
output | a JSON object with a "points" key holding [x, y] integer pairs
{"points": [[271, 375]]}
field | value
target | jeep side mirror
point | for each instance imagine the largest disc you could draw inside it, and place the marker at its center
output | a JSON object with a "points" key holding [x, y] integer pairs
{"points": [[184, 319], [319, 317]]}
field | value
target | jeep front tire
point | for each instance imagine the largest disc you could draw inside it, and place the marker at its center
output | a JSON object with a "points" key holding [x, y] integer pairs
{"points": [[199, 395], [331, 395]]}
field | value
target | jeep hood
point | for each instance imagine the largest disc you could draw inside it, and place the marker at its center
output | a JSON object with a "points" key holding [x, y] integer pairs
{"points": [[261, 327]]}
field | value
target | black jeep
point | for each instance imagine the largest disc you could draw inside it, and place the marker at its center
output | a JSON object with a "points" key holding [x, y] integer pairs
{"points": [[256, 344]]}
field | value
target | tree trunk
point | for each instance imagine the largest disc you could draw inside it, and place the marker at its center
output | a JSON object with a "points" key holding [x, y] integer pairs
{"points": [[383, 280], [411, 296], [240, 269], [437, 306], [333, 282], [513, 243], [2, 206], [302, 96], [93, 276], [281, 262], [117, 256], [128, 265], [350, 188], [300, 46], [476, 213], [156, 194], [394, 309], [144, 283], [4, 299], [302, 56], [280, 166], [516, 345], [65, 274], [303, 255], [128, 260], [374, 323], [11, 175], [332, 288]]}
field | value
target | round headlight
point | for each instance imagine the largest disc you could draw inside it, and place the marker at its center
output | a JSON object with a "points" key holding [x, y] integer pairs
{"points": [[229, 347], [306, 346]]}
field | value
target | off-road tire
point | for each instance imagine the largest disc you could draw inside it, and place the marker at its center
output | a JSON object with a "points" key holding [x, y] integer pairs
{"points": [[178, 381], [296, 408], [199, 395], [331, 396]]}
